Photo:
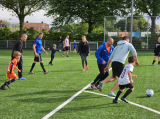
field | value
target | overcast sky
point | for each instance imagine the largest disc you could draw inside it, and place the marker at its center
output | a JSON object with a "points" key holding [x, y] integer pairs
{"points": [[36, 17]]}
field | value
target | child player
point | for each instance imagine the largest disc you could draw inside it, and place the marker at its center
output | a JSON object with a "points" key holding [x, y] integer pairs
{"points": [[10, 71], [125, 80], [157, 53], [53, 53], [74, 46]]}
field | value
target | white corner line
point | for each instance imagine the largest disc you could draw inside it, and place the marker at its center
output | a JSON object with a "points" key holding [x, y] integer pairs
{"points": [[67, 101], [138, 105]]}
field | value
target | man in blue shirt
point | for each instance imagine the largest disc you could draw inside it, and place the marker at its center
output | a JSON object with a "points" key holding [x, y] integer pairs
{"points": [[103, 54], [37, 47]]}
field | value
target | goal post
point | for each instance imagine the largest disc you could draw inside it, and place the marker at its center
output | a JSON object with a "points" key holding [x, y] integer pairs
{"points": [[93, 46]]}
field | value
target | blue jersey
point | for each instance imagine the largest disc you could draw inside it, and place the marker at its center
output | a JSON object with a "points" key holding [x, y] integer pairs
{"points": [[38, 43], [74, 44], [102, 54]]}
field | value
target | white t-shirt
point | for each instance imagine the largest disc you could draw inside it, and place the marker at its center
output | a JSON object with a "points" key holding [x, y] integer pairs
{"points": [[66, 42], [124, 78]]}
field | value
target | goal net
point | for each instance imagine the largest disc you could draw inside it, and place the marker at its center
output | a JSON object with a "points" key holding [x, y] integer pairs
{"points": [[93, 46]]}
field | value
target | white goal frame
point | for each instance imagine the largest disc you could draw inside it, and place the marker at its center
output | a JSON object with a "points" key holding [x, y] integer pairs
{"points": [[71, 46]]}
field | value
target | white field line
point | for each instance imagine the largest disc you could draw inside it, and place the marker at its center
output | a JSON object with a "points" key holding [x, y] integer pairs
{"points": [[67, 101], [152, 110]]}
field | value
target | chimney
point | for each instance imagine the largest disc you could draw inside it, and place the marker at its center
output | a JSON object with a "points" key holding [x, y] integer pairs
{"points": [[42, 22], [26, 21]]}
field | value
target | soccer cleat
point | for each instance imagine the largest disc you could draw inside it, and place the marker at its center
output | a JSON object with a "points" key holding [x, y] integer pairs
{"points": [[67, 56], [7, 84], [87, 67], [115, 101], [22, 78], [51, 64], [97, 86], [31, 72], [48, 64], [3, 88], [158, 64], [62, 55], [83, 69], [111, 94], [124, 99], [101, 84], [46, 72], [92, 86], [151, 64]]}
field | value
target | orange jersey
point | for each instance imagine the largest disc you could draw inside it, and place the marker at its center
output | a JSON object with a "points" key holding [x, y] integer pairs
{"points": [[108, 48], [12, 66]]}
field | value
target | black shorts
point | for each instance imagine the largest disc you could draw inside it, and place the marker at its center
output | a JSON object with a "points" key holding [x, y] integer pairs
{"points": [[66, 48], [129, 85], [156, 54], [117, 68], [39, 58]]}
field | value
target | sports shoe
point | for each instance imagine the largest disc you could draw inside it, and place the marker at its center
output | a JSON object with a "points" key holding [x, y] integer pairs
{"points": [[115, 101], [124, 99], [158, 64], [87, 67], [97, 86], [46, 72], [31, 72], [7, 84], [151, 64], [92, 86], [51, 64], [67, 56], [22, 78], [3, 88], [111, 94], [83, 69], [62, 55], [101, 84], [48, 64]]}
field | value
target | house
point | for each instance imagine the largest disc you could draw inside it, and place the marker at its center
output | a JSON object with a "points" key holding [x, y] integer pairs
{"points": [[38, 26], [2, 24]]}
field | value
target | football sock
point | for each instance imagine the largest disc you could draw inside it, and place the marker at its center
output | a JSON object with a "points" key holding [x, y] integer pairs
{"points": [[118, 94], [153, 61], [127, 93], [32, 66], [4, 84], [42, 67]]}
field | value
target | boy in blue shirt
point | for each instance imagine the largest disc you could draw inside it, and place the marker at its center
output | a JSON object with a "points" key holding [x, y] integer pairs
{"points": [[37, 47], [103, 54], [53, 53], [74, 46]]}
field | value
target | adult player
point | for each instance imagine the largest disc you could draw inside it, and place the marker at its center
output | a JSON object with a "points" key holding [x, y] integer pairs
{"points": [[83, 50], [102, 54], [66, 46], [37, 47], [18, 46], [60, 41], [118, 59], [157, 53]]}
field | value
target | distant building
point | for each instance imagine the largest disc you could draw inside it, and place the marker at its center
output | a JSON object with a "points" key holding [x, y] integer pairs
{"points": [[38, 26], [2, 24]]}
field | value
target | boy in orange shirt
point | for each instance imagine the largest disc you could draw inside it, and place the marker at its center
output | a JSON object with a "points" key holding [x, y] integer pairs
{"points": [[10, 71]]}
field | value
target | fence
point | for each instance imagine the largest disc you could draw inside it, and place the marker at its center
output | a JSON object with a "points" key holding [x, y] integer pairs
{"points": [[143, 28]]}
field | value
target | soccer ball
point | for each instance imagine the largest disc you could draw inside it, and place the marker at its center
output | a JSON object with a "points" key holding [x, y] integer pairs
{"points": [[149, 92]]}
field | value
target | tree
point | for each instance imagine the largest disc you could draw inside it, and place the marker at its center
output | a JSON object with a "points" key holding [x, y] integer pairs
{"points": [[150, 7], [22, 8], [90, 11]]}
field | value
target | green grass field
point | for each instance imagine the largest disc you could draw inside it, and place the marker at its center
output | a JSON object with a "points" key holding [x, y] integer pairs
{"points": [[39, 94]]}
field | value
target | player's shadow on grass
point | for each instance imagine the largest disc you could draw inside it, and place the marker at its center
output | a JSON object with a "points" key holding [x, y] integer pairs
{"points": [[142, 97], [76, 109]]}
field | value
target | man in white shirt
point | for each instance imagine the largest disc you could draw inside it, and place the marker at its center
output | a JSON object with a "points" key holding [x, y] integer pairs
{"points": [[125, 80], [66, 46]]}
